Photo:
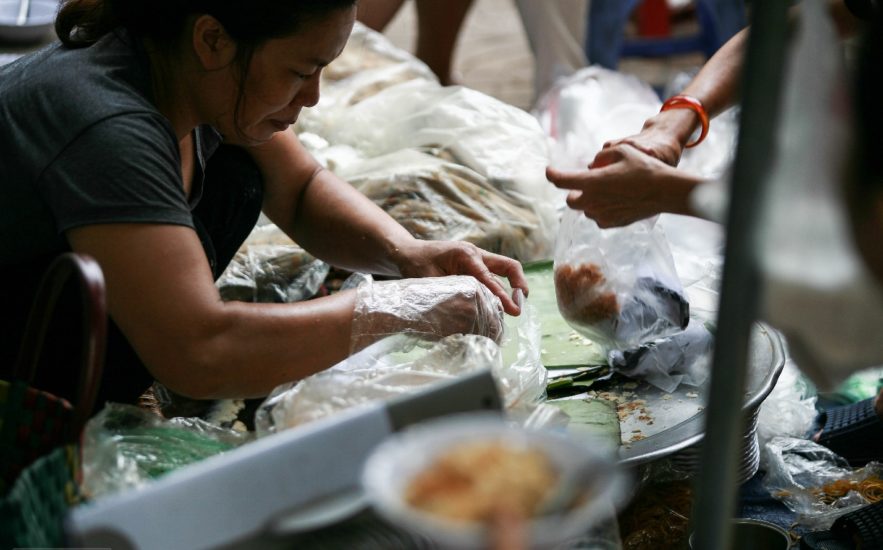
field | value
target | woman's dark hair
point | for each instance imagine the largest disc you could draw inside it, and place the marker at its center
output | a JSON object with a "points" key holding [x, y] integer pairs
{"points": [[81, 23]]}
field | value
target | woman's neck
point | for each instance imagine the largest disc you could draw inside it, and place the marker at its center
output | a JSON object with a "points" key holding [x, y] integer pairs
{"points": [[171, 93]]}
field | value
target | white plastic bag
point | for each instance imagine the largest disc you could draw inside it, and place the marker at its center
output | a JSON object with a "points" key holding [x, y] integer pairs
{"points": [[497, 140], [368, 64], [596, 105], [401, 364], [617, 287], [435, 199]]}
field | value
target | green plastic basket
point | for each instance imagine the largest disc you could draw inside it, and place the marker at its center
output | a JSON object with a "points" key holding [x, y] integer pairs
{"points": [[39, 431], [32, 512]]}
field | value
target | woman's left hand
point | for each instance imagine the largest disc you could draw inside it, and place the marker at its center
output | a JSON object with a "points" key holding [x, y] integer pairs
{"points": [[441, 258]]}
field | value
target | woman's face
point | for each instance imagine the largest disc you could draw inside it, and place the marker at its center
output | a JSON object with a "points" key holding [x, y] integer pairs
{"points": [[283, 77]]}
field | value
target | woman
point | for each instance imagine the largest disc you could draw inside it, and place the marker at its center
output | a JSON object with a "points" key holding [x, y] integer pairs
{"points": [[150, 138]]}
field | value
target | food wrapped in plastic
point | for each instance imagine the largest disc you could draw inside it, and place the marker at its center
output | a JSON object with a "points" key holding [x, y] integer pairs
{"points": [[438, 200], [125, 447], [618, 287], [366, 51], [368, 64], [270, 267], [428, 307], [815, 483], [499, 141], [402, 364]]}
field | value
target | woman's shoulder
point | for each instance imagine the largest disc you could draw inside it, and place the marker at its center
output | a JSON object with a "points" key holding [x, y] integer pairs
{"points": [[58, 97], [81, 86]]}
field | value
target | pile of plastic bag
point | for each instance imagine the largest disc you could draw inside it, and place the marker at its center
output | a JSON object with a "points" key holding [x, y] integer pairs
{"points": [[381, 106], [125, 447], [270, 267], [403, 364]]}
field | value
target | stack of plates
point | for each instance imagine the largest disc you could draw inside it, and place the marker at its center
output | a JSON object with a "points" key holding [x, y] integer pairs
{"points": [[26, 21], [688, 460]]}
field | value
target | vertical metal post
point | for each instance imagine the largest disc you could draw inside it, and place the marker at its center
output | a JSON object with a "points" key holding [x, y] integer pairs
{"points": [[761, 92]]}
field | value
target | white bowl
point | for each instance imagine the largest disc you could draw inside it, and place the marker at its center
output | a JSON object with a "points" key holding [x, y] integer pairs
{"points": [[393, 464], [37, 27]]}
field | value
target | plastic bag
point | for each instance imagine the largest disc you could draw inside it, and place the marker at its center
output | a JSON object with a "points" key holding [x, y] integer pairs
{"points": [[428, 307], [684, 357], [124, 447], [402, 364], [790, 408], [499, 141], [813, 482], [368, 64], [378, 101], [435, 199], [270, 267], [618, 287], [697, 247], [594, 105]]}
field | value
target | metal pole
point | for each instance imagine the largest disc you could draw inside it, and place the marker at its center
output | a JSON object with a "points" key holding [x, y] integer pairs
{"points": [[761, 91]]}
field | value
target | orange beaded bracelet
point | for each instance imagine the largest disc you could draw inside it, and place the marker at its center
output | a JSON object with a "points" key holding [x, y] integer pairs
{"points": [[689, 102]]}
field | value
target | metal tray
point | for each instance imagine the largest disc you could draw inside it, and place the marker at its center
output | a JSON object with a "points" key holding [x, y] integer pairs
{"points": [[679, 419]]}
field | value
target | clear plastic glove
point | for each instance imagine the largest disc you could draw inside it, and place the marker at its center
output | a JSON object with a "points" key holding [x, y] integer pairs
{"points": [[429, 307], [419, 258]]}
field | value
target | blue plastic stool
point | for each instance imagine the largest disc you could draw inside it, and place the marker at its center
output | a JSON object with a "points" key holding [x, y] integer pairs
{"points": [[605, 44]]}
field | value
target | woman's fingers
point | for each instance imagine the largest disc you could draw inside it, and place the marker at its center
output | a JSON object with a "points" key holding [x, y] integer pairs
{"points": [[508, 268]]}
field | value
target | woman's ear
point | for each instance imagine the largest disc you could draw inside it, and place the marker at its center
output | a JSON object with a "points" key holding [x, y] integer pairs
{"points": [[213, 46]]}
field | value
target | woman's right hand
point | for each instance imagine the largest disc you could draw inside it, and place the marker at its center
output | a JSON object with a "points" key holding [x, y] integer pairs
{"points": [[631, 187], [430, 307]]}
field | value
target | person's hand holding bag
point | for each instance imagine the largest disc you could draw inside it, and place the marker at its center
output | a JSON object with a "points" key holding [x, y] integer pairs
{"points": [[431, 307]]}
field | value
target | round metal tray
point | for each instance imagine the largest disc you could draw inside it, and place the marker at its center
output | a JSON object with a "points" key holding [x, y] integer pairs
{"points": [[678, 419]]}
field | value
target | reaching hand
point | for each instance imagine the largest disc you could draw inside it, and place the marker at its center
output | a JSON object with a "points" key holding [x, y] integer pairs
{"points": [[430, 307], [663, 137], [629, 186], [654, 142], [441, 258]]}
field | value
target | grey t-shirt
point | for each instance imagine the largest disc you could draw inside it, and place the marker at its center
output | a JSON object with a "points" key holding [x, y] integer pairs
{"points": [[82, 143]]}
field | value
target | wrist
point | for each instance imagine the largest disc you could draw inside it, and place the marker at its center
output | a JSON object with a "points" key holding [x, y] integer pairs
{"points": [[399, 254], [689, 103], [675, 190], [678, 123]]}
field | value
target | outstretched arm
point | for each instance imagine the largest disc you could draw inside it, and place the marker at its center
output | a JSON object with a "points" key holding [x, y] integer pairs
{"points": [[623, 183], [338, 224]]}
